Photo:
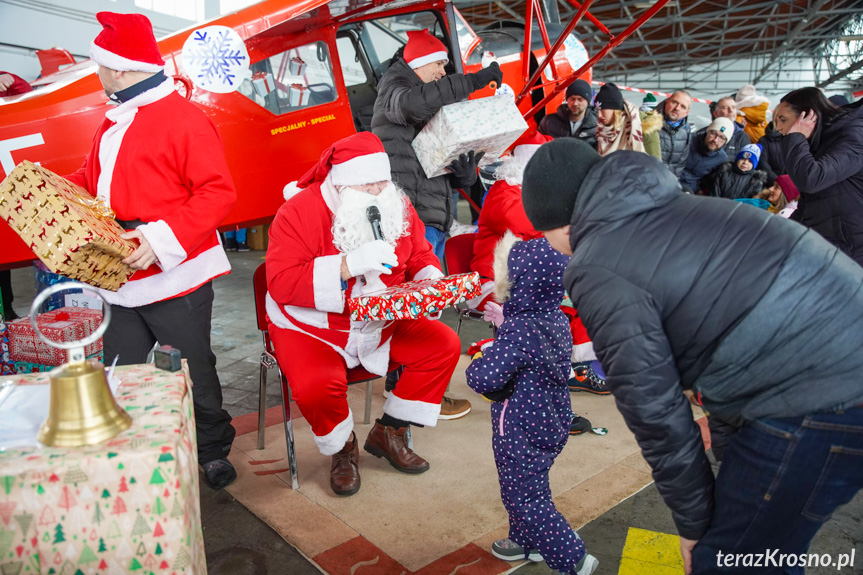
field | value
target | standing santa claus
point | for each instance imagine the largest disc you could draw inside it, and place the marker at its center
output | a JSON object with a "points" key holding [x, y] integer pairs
{"points": [[322, 251]]}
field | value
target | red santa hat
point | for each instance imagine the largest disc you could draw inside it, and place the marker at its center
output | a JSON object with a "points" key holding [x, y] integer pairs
{"points": [[126, 43], [529, 142], [353, 161], [423, 48]]}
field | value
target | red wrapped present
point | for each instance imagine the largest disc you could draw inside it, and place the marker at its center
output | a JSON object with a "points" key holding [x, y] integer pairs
{"points": [[64, 324], [411, 300]]}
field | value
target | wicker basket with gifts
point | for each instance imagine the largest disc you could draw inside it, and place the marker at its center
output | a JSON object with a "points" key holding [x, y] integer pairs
{"points": [[415, 299]]}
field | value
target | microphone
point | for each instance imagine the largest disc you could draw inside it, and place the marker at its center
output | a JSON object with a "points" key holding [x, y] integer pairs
{"points": [[374, 216]]}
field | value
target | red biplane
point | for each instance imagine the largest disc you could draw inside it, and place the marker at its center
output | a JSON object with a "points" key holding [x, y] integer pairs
{"points": [[313, 69]]}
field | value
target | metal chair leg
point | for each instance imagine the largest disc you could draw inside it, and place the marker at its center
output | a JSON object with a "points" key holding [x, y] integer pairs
{"points": [[262, 402], [367, 417], [289, 431]]}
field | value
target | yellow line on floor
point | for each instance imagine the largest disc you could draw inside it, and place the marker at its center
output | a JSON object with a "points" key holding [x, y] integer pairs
{"points": [[650, 552]]}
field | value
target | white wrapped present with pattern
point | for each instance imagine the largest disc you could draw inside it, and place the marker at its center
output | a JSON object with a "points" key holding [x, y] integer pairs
{"points": [[487, 125]]}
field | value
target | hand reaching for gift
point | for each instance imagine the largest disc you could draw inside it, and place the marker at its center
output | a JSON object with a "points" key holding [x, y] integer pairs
{"points": [[493, 313]]}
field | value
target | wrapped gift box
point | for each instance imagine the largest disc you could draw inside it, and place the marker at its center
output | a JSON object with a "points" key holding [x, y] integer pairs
{"points": [[263, 83], [69, 230], [64, 324], [45, 278], [25, 367], [297, 67], [411, 300], [299, 95], [127, 505], [487, 125]]}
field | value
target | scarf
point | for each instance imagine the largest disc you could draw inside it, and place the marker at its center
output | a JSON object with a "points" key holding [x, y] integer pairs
{"points": [[628, 137]]}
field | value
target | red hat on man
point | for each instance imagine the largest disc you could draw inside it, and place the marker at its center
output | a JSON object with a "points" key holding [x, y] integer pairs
{"points": [[423, 48], [353, 161], [126, 43]]}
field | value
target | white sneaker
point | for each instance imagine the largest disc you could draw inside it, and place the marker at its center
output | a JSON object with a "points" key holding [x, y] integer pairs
{"points": [[509, 550], [588, 563]]}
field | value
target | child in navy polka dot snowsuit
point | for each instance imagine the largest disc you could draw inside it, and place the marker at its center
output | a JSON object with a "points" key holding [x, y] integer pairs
{"points": [[525, 373]]}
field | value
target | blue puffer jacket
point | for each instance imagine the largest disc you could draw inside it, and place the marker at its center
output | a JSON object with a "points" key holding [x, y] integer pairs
{"points": [[699, 163]]}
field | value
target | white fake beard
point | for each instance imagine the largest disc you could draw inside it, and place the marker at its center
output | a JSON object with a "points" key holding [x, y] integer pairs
{"points": [[351, 227], [511, 170]]}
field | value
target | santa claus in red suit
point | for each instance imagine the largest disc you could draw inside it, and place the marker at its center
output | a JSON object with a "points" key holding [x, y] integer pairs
{"points": [[322, 251], [503, 211], [158, 162]]}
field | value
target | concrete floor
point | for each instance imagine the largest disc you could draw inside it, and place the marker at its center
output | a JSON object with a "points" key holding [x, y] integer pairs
{"points": [[238, 543]]}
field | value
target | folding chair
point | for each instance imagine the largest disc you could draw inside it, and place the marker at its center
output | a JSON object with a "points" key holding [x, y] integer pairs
{"points": [[270, 361], [458, 251]]}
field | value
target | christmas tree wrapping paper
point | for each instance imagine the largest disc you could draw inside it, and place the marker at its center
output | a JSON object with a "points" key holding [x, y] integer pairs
{"points": [[411, 300], [487, 125], [130, 504], [73, 233]]}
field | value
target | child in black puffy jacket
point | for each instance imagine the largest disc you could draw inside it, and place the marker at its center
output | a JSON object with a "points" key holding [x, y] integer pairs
{"points": [[738, 179]]}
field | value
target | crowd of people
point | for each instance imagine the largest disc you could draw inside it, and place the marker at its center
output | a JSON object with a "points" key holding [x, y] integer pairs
{"points": [[612, 262]]}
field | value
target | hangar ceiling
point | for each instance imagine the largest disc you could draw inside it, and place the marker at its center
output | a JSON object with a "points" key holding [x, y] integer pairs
{"points": [[714, 45]]}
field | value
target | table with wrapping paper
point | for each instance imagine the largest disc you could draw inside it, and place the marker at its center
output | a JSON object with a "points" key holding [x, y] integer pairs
{"points": [[128, 504]]}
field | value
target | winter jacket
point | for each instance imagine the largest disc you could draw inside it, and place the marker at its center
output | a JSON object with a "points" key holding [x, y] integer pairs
{"points": [[699, 163], [686, 292], [772, 160], [739, 139], [404, 105], [158, 159], [557, 125], [525, 372], [674, 143], [828, 171], [651, 124], [756, 120], [727, 181]]}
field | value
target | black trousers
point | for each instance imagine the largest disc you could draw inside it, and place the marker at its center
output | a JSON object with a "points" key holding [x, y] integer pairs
{"points": [[184, 323], [6, 291]]}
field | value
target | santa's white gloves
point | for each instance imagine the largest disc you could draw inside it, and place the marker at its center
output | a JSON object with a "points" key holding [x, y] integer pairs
{"points": [[377, 256], [493, 313]]}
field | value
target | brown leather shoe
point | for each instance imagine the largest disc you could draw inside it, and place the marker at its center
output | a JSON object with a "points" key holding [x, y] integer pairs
{"points": [[345, 472], [392, 444]]}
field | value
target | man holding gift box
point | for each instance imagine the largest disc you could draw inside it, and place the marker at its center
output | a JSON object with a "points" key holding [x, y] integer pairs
{"points": [[157, 160], [323, 251], [413, 89]]}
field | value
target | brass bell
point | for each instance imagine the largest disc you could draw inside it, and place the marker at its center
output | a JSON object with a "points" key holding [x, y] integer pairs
{"points": [[82, 409]]}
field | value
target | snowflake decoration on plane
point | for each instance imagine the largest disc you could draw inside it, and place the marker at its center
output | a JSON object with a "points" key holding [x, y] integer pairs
{"points": [[216, 59]]}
